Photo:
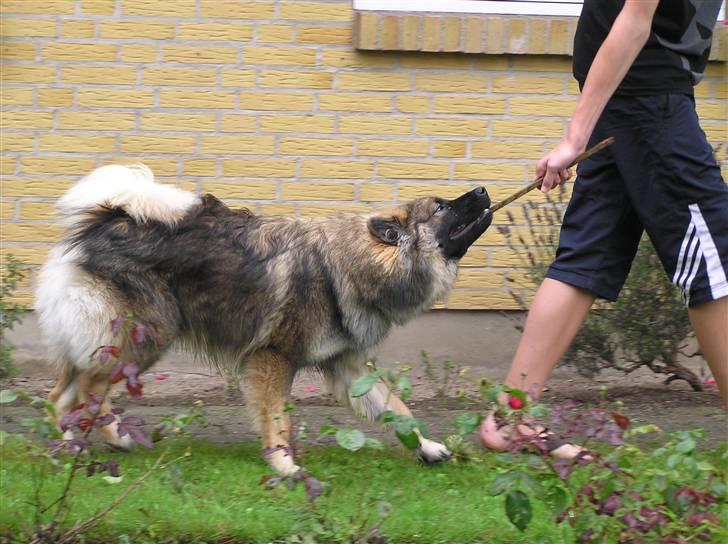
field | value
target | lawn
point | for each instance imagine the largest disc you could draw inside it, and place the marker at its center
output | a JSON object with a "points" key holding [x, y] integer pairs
{"points": [[214, 494]]}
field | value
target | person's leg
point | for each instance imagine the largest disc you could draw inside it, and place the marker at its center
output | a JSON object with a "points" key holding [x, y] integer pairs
{"points": [[710, 323], [556, 315]]}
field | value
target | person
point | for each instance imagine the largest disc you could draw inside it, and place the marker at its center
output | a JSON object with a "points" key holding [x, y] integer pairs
{"points": [[636, 62]]}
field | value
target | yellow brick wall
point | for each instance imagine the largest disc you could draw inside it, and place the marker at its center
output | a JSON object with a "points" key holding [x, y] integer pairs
{"points": [[268, 105]]}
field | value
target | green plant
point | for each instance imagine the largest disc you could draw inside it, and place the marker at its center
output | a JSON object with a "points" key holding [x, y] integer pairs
{"points": [[10, 313], [647, 326]]}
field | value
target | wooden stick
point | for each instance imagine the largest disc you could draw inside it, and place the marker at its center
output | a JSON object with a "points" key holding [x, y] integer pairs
{"points": [[537, 182]]}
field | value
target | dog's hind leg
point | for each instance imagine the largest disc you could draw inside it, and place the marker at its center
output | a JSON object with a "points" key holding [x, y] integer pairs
{"points": [[376, 402], [268, 380]]}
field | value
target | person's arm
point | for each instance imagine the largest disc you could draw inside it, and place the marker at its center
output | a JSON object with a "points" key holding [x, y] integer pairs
{"points": [[625, 40]]}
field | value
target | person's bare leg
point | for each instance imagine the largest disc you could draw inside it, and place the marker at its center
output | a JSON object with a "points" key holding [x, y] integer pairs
{"points": [[556, 314], [710, 323]]}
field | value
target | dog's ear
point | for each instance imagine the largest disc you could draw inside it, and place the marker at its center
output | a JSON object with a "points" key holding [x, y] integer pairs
{"points": [[388, 230]]}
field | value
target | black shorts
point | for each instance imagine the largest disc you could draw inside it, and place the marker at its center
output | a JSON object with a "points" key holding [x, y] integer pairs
{"points": [[659, 176]]}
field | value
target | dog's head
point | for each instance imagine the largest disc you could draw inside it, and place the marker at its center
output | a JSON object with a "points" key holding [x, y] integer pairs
{"points": [[451, 226]]}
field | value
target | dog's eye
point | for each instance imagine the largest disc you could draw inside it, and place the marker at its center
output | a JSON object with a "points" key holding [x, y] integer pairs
{"points": [[440, 207]]}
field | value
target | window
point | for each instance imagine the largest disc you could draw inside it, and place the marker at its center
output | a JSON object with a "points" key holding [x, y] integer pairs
{"points": [[503, 7]]}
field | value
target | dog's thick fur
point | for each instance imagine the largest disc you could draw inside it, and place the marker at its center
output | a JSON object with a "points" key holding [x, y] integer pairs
{"points": [[266, 295]]}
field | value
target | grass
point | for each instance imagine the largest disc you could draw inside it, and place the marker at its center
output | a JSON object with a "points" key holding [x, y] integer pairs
{"points": [[217, 497]]}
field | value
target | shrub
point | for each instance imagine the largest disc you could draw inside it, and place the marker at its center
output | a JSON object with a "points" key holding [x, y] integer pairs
{"points": [[10, 313]]}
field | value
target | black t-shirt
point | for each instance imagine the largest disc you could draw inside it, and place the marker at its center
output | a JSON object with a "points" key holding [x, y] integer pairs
{"points": [[675, 55]]}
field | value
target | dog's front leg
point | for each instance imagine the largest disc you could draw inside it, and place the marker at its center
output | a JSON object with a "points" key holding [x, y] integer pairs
{"points": [[377, 401], [268, 380]]}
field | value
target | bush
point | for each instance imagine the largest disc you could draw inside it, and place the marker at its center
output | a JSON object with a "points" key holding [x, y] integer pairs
{"points": [[10, 313], [647, 326]]}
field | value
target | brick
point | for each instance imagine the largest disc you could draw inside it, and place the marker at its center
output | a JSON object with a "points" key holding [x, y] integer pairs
{"points": [[76, 143], [355, 102], [410, 33], [16, 96], [541, 106], [323, 35], [294, 80], [278, 209], [234, 77], [55, 97], [310, 11], [27, 28], [435, 61], [177, 121], [340, 58], [491, 63], [38, 211], [86, 120], [199, 167], [237, 145], [17, 142], [469, 104], [26, 119], [17, 51], [413, 104], [99, 75], [392, 148], [78, 28], [374, 81], [139, 53], [475, 257], [480, 171], [716, 132], [178, 8], [413, 170], [528, 84], [720, 89], [367, 30], [362, 124], [488, 149], [451, 83], [517, 36], [410, 192], [7, 210], [7, 165], [451, 127], [280, 56], [98, 7], [473, 36], [449, 149], [30, 233], [388, 32], [479, 279], [215, 31], [276, 101], [207, 54], [452, 33], [431, 34], [461, 299], [718, 111], [537, 33], [505, 258], [237, 9], [250, 168], [131, 30], [559, 42], [297, 123], [376, 192], [238, 123], [114, 98], [196, 99], [317, 191], [80, 51], [161, 167], [247, 190], [274, 33], [495, 35], [340, 147], [25, 73], [29, 254], [25, 187], [539, 63], [324, 169], [318, 210], [157, 144], [39, 7], [530, 128], [180, 77]]}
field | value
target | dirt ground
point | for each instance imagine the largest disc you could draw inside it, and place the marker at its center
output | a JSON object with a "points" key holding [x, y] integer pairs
{"points": [[169, 389]]}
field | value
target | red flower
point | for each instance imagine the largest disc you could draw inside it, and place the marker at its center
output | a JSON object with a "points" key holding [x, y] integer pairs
{"points": [[515, 403], [84, 423]]}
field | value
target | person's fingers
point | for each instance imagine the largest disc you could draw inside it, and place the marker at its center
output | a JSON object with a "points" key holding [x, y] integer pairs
{"points": [[550, 180], [541, 166]]}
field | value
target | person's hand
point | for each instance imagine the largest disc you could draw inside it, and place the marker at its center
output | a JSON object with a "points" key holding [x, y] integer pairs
{"points": [[554, 166]]}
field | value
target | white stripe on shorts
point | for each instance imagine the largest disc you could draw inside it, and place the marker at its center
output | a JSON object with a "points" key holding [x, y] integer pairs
{"points": [[716, 273]]}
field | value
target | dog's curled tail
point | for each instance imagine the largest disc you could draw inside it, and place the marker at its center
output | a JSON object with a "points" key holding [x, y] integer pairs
{"points": [[131, 188]]}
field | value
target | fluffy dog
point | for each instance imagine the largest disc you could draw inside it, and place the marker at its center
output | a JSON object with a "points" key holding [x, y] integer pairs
{"points": [[266, 295]]}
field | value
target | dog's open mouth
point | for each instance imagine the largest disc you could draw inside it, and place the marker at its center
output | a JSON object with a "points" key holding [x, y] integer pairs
{"points": [[464, 228]]}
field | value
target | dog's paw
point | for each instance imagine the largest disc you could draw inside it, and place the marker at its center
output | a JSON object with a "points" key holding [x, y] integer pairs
{"points": [[430, 451], [282, 463], [111, 436]]}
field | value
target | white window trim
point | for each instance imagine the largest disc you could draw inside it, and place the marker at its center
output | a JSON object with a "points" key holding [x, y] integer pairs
{"points": [[562, 8]]}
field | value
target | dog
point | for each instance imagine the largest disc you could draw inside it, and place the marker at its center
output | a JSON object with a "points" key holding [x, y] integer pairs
{"points": [[266, 295]]}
